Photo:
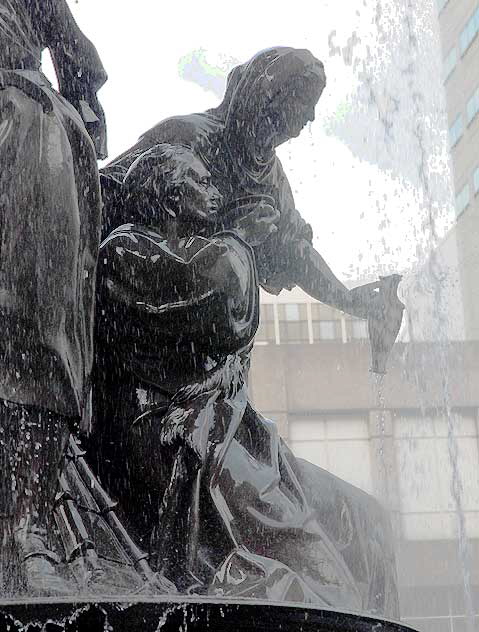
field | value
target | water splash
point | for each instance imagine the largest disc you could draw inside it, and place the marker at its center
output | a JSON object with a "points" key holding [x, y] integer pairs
{"points": [[406, 131]]}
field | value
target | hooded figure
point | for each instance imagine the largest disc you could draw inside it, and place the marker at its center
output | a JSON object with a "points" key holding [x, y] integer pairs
{"points": [[267, 101], [205, 480]]}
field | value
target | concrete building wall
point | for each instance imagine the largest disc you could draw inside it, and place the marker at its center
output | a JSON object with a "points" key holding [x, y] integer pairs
{"points": [[411, 439], [390, 437]]}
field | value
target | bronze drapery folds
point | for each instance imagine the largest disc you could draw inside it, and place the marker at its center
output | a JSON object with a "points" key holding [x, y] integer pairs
{"points": [[206, 483], [197, 216]]}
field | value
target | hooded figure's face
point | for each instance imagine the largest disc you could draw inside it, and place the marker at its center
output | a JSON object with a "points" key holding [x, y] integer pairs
{"points": [[288, 110], [270, 99]]}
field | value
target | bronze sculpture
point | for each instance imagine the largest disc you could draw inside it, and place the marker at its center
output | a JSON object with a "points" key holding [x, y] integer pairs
{"points": [[49, 231], [197, 216], [207, 486], [267, 101]]}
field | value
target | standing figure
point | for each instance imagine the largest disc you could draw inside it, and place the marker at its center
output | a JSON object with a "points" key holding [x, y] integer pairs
{"points": [[49, 237]]}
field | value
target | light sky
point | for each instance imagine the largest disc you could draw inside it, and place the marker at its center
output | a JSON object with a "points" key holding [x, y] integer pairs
{"points": [[354, 172]]}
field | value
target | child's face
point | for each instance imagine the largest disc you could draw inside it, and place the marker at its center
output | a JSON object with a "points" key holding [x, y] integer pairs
{"points": [[198, 193]]}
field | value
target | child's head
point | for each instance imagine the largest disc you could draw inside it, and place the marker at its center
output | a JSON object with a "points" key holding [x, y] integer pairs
{"points": [[169, 186]]}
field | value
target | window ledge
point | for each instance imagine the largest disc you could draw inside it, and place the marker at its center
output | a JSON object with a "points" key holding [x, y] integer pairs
{"points": [[469, 46], [451, 147], [446, 79], [472, 120], [461, 213]]}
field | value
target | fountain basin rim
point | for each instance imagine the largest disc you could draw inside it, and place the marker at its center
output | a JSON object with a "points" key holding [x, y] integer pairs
{"points": [[309, 611]]}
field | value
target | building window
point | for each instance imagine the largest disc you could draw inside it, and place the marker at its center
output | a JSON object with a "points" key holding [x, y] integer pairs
{"points": [[476, 181], [291, 311], [293, 323], [450, 63], [337, 443], [359, 329], [425, 470], [326, 322], [473, 106], [455, 132], [265, 333], [469, 32], [462, 200], [326, 330]]}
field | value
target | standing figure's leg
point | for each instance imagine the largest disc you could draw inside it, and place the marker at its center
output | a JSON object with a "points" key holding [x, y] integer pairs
{"points": [[32, 446], [49, 234]]}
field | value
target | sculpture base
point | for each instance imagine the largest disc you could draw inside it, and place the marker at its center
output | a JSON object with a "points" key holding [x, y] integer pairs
{"points": [[175, 614]]}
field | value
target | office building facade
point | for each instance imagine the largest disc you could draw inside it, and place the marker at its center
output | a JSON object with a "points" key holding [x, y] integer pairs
{"points": [[396, 438], [459, 29]]}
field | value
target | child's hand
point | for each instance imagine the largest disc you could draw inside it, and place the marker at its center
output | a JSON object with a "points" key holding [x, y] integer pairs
{"points": [[256, 220]]}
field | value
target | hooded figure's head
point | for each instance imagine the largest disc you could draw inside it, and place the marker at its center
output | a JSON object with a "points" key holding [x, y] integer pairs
{"points": [[269, 100]]}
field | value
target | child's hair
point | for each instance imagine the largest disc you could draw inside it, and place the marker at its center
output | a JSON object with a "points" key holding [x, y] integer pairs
{"points": [[154, 190]]}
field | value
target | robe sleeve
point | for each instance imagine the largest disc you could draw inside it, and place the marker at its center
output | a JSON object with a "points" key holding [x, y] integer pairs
{"points": [[198, 290], [277, 258]]}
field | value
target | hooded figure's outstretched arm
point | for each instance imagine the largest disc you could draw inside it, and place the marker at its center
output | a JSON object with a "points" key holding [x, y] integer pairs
{"points": [[315, 277]]}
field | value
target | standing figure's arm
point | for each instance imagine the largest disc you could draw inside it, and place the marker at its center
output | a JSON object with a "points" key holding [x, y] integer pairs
{"points": [[316, 278], [291, 259], [377, 302], [77, 64]]}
